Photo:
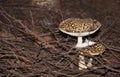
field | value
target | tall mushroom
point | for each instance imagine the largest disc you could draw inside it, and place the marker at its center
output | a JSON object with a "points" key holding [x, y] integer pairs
{"points": [[80, 28]]}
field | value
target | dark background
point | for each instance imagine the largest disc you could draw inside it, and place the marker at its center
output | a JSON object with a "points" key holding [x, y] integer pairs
{"points": [[32, 46]]}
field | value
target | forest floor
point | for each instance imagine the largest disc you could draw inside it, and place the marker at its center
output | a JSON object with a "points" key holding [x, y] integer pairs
{"points": [[31, 44]]}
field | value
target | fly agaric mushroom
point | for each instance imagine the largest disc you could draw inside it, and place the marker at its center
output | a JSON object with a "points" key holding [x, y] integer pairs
{"points": [[92, 50], [79, 28]]}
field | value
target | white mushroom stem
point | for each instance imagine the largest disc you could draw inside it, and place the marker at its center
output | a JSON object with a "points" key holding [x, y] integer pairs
{"points": [[82, 64], [90, 62], [79, 42]]}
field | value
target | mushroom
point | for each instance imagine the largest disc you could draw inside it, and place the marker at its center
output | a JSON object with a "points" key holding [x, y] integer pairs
{"points": [[80, 28], [92, 50]]}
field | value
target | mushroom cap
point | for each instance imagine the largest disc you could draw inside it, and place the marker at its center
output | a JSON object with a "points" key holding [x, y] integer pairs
{"points": [[92, 50], [77, 26]]}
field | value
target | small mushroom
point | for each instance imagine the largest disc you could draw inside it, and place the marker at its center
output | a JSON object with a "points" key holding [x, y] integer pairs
{"points": [[92, 50], [80, 28]]}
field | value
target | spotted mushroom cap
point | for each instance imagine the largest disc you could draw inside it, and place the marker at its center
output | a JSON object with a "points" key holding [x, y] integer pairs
{"points": [[92, 50], [77, 25]]}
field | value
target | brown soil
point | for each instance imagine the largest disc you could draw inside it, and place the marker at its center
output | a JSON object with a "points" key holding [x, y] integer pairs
{"points": [[32, 46]]}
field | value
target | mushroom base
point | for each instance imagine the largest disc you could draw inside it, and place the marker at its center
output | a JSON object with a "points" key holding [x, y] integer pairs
{"points": [[81, 44], [82, 64]]}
